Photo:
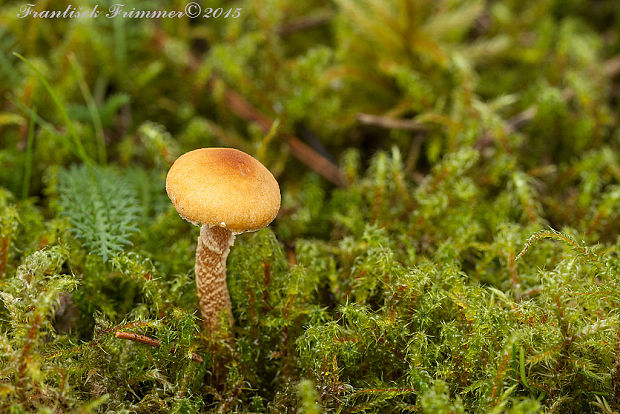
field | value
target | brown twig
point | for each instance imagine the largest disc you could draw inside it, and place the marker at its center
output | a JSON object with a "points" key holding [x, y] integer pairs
{"points": [[303, 23], [391, 123], [228, 138], [150, 341], [240, 106], [244, 109], [610, 68], [97, 340], [414, 152]]}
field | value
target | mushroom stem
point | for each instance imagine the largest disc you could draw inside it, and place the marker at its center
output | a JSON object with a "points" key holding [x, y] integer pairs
{"points": [[211, 252]]}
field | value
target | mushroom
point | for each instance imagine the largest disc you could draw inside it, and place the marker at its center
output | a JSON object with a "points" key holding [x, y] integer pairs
{"points": [[227, 192]]}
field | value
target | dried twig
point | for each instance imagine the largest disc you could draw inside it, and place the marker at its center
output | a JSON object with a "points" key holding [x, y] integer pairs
{"points": [[303, 23], [240, 106], [228, 138], [150, 341], [244, 109], [414, 152], [391, 123], [611, 68]]}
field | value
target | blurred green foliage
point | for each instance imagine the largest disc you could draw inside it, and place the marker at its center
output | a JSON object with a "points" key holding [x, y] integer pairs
{"points": [[470, 264]]}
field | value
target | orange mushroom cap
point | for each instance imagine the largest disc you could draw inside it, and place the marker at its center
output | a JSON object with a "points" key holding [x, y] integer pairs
{"points": [[223, 187]]}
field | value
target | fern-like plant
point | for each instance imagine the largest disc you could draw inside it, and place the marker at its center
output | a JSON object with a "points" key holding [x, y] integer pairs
{"points": [[101, 207]]}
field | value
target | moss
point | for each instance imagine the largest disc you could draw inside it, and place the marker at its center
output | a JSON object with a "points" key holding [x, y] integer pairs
{"points": [[463, 258]]}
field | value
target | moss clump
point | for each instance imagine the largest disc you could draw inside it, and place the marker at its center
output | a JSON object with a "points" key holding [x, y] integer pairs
{"points": [[454, 249]]}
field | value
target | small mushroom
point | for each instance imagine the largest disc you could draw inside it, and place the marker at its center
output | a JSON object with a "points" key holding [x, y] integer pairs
{"points": [[227, 192]]}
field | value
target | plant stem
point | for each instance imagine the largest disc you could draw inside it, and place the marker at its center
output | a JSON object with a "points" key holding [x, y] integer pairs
{"points": [[92, 109], [150, 341], [28, 162], [79, 148]]}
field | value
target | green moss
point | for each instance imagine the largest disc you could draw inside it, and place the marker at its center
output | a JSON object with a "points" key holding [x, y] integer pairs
{"points": [[471, 263]]}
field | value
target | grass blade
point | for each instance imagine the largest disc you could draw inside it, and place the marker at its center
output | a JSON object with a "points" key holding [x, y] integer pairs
{"points": [[79, 148], [28, 163]]}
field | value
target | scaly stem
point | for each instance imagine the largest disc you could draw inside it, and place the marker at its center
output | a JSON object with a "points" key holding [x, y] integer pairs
{"points": [[213, 246]]}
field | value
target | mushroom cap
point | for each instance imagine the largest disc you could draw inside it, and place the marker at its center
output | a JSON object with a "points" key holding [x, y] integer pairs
{"points": [[223, 187]]}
